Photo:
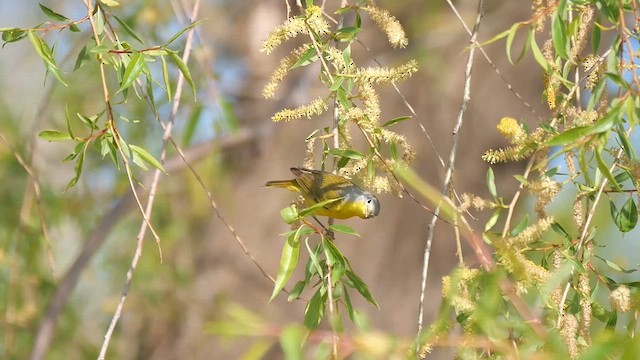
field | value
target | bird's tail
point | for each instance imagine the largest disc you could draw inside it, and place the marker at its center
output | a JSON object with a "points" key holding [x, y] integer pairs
{"points": [[287, 184]]}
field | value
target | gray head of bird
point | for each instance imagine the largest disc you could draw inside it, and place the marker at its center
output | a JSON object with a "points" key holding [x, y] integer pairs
{"points": [[372, 205]]}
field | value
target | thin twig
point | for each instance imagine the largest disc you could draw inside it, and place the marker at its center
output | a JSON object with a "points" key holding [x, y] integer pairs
{"points": [[99, 234], [452, 159], [154, 184], [336, 144], [218, 213], [203, 186], [402, 97], [36, 190], [493, 65]]}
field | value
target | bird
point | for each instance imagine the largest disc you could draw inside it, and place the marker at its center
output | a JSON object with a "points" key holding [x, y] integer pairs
{"points": [[317, 186]]}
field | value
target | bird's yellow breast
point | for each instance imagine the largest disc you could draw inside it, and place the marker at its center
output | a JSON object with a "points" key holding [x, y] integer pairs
{"points": [[341, 209]]}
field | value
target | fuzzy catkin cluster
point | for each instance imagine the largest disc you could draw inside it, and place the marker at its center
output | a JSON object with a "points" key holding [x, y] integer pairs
{"points": [[312, 19], [389, 24], [354, 91], [522, 146]]}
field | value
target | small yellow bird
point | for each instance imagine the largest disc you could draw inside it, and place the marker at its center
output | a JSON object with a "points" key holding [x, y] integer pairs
{"points": [[318, 186]]}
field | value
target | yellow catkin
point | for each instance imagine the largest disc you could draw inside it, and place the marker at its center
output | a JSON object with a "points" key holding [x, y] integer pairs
{"points": [[292, 27], [282, 70], [510, 129], [383, 75], [316, 107], [389, 25]]}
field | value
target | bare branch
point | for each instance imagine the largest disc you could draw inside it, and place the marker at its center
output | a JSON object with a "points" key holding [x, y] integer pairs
{"points": [[452, 158]]}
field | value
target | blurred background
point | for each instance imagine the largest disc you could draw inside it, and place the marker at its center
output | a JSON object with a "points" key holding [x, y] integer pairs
{"points": [[235, 148]]}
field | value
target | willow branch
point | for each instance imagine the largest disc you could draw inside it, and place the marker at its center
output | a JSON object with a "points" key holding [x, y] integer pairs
{"points": [[452, 159], [154, 184]]}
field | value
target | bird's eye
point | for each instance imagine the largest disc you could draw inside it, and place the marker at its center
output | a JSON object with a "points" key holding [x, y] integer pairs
{"points": [[369, 201]]}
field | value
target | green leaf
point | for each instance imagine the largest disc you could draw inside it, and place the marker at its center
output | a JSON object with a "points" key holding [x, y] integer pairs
{"points": [[128, 29], [343, 99], [98, 20], [334, 256], [179, 33], [615, 266], [165, 77], [347, 33], [343, 10], [595, 39], [46, 55], [314, 207], [307, 58], [289, 214], [54, 135], [521, 179], [350, 310], [79, 165], [343, 229], [184, 70], [13, 35], [560, 230], [346, 55], [627, 218], [296, 290], [347, 153], [604, 169], [52, 14], [500, 36], [492, 220], [511, 34], [393, 150], [337, 83], [288, 262], [577, 133], [314, 312], [80, 59], [135, 67], [559, 36], [491, 183], [191, 124], [613, 320], [396, 120], [89, 121], [314, 262], [537, 54], [146, 157], [68, 119], [102, 49], [521, 226], [361, 287]]}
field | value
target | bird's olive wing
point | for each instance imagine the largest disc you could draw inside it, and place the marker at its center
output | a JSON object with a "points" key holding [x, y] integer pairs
{"points": [[321, 186]]}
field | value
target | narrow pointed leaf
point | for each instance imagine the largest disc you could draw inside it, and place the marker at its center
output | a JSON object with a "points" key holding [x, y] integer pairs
{"points": [[343, 229], [288, 262], [146, 157], [134, 69], [314, 311], [361, 287], [179, 33], [184, 70], [128, 29], [52, 14], [45, 53], [165, 77]]}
